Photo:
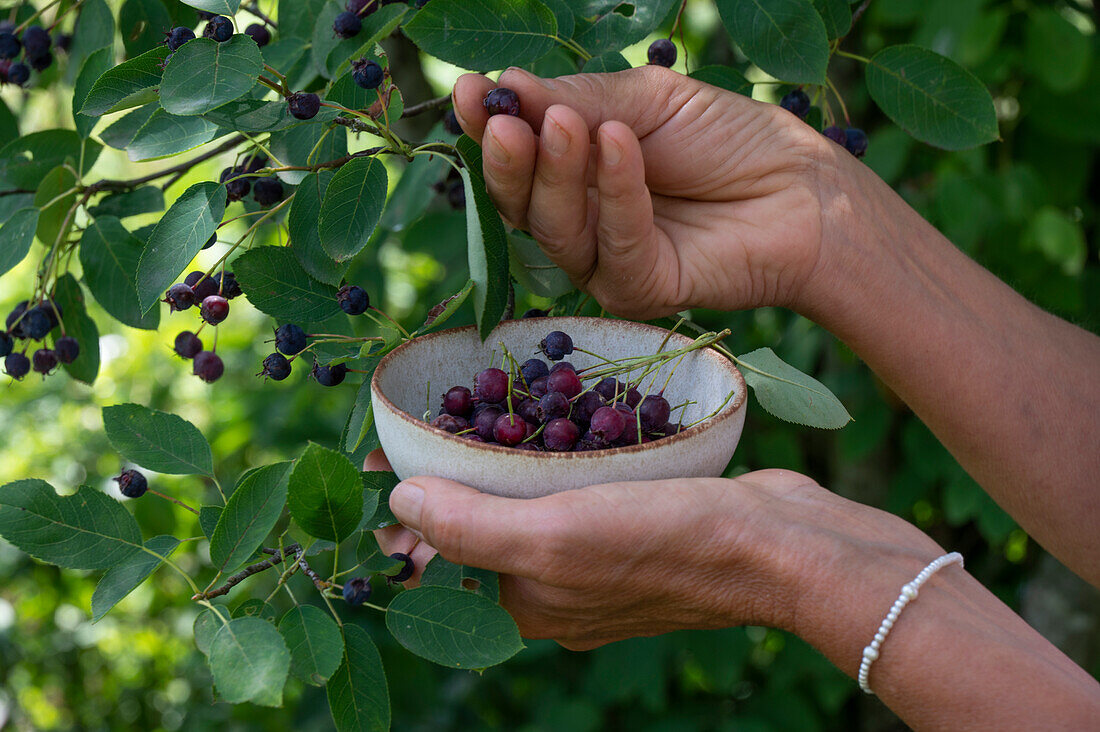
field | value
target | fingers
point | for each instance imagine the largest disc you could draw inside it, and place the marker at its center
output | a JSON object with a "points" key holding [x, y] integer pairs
{"points": [[508, 160], [376, 461], [468, 94]]}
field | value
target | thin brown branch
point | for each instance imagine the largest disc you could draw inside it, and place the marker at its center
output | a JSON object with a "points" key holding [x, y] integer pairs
{"points": [[254, 8], [247, 572], [437, 103], [860, 11], [182, 168]]}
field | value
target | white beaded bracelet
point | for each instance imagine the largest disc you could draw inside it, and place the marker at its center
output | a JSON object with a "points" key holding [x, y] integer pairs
{"points": [[908, 594]]}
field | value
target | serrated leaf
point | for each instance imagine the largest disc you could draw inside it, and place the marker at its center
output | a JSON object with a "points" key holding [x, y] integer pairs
{"points": [[249, 516], [442, 573], [789, 394], [361, 417], [305, 241], [159, 441], [95, 28], [352, 206], [453, 628], [482, 35], [255, 608], [606, 28], [204, 74], [166, 134], [56, 214], [17, 235], [124, 578], [785, 38], [932, 98], [87, 530], [70, 298], [358, 696], [297, 18], [305, 145], [837, 15], [206, 626], [147, 199], [369, 554], [94, 66], [413, 193], [208, 519], [142, 24], [130, 84], [316, 646], [109, 256], [221, 7], [122, 132], [259, 115], [441, 313], [326, 494], [383, 482], [723, 77], [249, 661], [179, 236], [337, 53], [486, 242], [276, 284]]}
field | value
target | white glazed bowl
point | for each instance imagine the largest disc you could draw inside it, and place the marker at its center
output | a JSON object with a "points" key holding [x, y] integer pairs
{"points": [[401, 395]]}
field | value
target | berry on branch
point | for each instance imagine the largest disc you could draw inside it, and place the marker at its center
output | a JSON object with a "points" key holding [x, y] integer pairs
{"points": [[662, 52], [132, 484], [303, 105], [208, 367], [353, 299], [220, 28]]}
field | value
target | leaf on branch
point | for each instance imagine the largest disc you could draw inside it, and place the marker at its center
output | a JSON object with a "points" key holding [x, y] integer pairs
{"points": [[249, 515], [249, 661], [352, 206], [204, 74], [316, 646], [442, 573], [789, 394], [442, 312], [94, 66], [785, 38], [382, 482], [163, 134], [723, 77], [109, 256], [482, 35], [207, 624], [604, 28], [159, 441], [486, 242], [358, 696], [70, 298], [326, 494], [276, 284], [17, 233], [124, 578]]}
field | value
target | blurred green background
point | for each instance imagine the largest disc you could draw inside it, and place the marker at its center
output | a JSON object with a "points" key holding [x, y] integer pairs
{"points": [[1025, 207]]}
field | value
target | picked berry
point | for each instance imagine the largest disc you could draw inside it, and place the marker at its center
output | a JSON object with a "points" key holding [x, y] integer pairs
{"points": [[406, 570], [796, 102], [179, 297], [132, 484], [258, 33], [502, 101], [837, 135], [563, 366], [67, 349], [607, 424], [629, 435], [662, 52], [208, 367], [36, 42], [19, 74], [458, 401], [276, 367], [353, 299], [330, 375], [357, 591], [10, 46], [560, 435], [347, 25], [290, 339], [215, 309], [236, 187], [44, 360], [366, 74], [188, 345], [484, 421], [565, 381], [17, 365], [220, 28], [539, 387], [509, 430], [450, 123], [556, 345], [586, 405], [177, 37], [633, 397], [654, 411], [267, 191], [529, 410], [532, 369], [552, 406], [856, 141], [450, 423], [491, 385], [7, 343], [303, 105]]}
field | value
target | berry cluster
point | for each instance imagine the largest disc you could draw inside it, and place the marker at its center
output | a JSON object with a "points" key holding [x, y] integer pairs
{"points": [[853, 139], [35, 44], [539, 407], [348, 23], [238, 183], [211, 293], [26, 323], [357, 591]]}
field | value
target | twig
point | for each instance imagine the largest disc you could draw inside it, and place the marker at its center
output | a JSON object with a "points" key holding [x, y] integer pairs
{"points": [[247, 572], [860, 11], [182, 168], [254, 8], [437, 103]]}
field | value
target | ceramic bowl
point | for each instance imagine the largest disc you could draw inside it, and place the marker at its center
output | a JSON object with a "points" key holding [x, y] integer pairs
{"points": [[410, 380]]}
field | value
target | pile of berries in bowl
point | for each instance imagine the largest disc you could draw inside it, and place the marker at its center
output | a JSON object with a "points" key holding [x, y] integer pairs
{"points": [[550, 404]]}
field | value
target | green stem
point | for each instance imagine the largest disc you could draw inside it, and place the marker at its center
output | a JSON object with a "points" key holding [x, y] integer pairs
{"points": [[853, 56]]}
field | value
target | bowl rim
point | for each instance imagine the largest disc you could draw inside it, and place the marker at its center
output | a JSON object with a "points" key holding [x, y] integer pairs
{"points": [[727, 413]]}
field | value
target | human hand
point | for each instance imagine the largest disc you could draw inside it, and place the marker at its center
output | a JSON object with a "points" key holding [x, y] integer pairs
{"points": [[656, 192]]}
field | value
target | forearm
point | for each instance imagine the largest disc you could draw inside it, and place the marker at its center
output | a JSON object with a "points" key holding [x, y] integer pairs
{"points": [[1010, 390]]}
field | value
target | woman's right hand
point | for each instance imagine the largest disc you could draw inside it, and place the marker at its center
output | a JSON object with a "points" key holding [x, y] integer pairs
{"points": [[656, 192]]}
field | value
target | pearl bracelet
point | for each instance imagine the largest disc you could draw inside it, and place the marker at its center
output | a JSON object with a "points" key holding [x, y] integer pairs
{"points": [[908, 594]]}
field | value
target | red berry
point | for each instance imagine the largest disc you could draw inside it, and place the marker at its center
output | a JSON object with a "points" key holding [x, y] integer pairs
{"points": [[208, 367], [509, 429], [491, 385], [565, 381], [502, 101], [607, 424], [215, 309], [560, 435]]}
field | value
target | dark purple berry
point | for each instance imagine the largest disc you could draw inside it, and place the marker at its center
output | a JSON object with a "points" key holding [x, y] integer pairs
{"points": [[10, 46], [552, 406], [633, 397], [836, 134], [502, 101], [484, 422], [357, 591], [607, 424], [188, 345], [44, 360], [796, 102], [255, 163], [36, 42], [208, 367], [532, 369], [353, 300], [205, 14], [527, 447], [258, 33], [589, 442], [63, 42], [358, 6], [132, 484], [662, 52], [290, 339], [556, 345], [529, 410], [52, 310], [560, 435], [37, 323], [236, 188], [509, 429], [203, 286], [303, 105], [535, 313], [41, 63], [14, 324], [179, 297], [267, 191], [491, 385], [330, 375], [220, 28], [67, 349], [563, 366], [671, 429], [458, 401], [347, 25], [450, 123], [406, 570], [366, 74], [565, 381], [19, 74], [654, 411], [228, 287], [856, 141], [276, 367], [17, 365], [450, 423], [456, 195], [539, 387], [7, 343], [586, 405], [630, 425], [177, 37], [215, 309]]}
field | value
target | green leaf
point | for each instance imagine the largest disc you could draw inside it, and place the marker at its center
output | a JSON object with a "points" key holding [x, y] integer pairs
{"points": [[259, 115], [383, 482], [607, 63], [442, 573], [250, 661], [316, 646], [352, 206], [204, 74], [276, 284], [482, 35], [70, 298], [790, 394], [26, 161], [249, 516], [298, 18], [142, 24], [208, 519], [9, 126], [221, 7], [306, 144], [206, 626], [124, 578], [369, 554], [166, 134], [1057, 53], [95, 28], [358, 695], [837, 16], [57, 214], [487, 244], [158, 441], [723, 77], [180, 235], [453, 628], [932, 98], [413, 193], [130, 84], [534, 270], [1059, 238], [255, 608], [87, 530], [147, 199], [305, 241], [109, 256], [362, 413], [785, 38], [94, 67], [326, 494], [121, 133], [17, 235], [441, 313], [603, 27]]}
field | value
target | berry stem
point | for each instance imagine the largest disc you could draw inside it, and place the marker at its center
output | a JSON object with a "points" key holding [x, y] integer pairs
{"points": [[394, 322], [23, 26], [727, 400], [271, 84], [853, 56], [173, 500], [840, 100], [285, 91]]}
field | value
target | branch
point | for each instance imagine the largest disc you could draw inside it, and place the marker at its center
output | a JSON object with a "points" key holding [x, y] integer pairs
{"points": [[254, 8], [248, 572], [125, 185], [437, 103], [860, 11]]}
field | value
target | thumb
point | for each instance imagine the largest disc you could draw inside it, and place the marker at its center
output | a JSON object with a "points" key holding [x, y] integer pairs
{"points": [[469, 527]]}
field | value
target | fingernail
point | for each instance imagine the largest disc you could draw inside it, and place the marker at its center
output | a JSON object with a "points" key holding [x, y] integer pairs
{"points": [[554, 137], [405, 502], [494, 149], [610, 150]]}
